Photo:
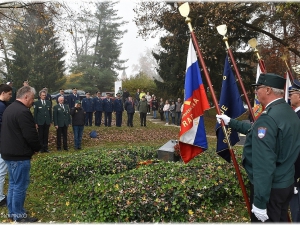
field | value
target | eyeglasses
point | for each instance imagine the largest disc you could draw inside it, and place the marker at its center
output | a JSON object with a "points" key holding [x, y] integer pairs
{"points": [[258, 87]]}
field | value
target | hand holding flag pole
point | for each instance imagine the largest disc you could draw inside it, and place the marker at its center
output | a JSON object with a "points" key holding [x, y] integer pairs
{"points": [[253, 43], [184, 10], [222, 29]]}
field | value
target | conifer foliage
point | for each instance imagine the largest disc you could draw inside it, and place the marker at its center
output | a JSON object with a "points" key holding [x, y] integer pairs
{"points": [[37, 51]]}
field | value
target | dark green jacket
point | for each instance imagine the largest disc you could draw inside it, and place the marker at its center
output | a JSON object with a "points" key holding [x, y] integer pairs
{"points": [[271, 149], [61, 117], [142, 106], [42, 113]]}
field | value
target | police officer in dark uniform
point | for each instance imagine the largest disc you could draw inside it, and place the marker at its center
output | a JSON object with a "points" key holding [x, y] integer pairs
{"points": [[88, 108], [294, 97], [271, 148], [108, 108], [98, 106], [73, 97], [43, 118], [62, 93], [118, 109]]}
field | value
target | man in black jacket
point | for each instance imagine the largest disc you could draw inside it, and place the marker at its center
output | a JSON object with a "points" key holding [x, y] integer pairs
{"points": [[78, 121], [19, 141]]}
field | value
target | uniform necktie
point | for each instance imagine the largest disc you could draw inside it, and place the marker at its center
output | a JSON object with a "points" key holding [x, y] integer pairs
{"points": [[43, 102], [62, 106]]}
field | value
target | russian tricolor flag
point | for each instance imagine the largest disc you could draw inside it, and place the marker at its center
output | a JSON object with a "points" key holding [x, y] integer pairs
{"points": [[192, 136]]}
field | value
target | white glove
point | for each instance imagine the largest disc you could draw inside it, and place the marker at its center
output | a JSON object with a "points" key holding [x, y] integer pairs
{"points": [[295, 190], [225, 118], [261, 214]]}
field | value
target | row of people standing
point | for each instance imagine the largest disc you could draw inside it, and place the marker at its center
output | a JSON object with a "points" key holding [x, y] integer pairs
{"points": [[170, 112]]}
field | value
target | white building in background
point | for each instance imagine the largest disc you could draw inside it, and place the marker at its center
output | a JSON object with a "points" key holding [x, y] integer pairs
{"points": [[124, 75]]}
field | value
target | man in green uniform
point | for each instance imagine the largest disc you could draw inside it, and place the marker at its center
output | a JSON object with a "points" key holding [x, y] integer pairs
{"points": [[43, 118], [61, 120], [270, 151]]}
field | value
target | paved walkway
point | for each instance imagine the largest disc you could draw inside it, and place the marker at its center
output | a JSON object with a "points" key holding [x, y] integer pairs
{"points": [[158, 121]]}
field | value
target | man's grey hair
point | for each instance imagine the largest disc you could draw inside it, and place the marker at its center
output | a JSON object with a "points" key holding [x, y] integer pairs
{"points": [[25, 90], [277, 92], [42, 91]]}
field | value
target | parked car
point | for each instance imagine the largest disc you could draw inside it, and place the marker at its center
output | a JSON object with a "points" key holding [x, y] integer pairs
{"points": [[112, 94], [81, 93]]}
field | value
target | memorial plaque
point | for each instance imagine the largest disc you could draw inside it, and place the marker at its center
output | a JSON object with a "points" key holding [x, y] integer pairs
{"points": [[166, 152]]}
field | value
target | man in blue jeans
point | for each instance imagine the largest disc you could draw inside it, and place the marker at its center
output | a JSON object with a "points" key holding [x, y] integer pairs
{"points": [[5, 95], [19, 141], [78, 121]]}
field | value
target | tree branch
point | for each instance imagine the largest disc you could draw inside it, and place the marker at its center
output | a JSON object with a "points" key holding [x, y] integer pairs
{"points": [[284, 43]]}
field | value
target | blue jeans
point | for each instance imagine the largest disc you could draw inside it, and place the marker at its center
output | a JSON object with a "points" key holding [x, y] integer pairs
{"points": [[3, 172], [154, 114], [167, 116], [18, 174], [78, 131]]}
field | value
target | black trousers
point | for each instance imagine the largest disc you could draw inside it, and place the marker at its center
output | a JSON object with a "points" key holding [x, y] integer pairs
{"points": [[88, 118], [107, 119], [43, 131], [161, 115], [143, 118], [62, 131], [98, 118], [295, 206], [130, 119], [277, 207], [119, 115]]}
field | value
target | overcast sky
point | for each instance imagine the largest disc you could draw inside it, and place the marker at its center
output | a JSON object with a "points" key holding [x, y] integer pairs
{"points": [[133, 45]]}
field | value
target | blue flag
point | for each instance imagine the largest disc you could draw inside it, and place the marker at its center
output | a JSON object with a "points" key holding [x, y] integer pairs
{"points": [[231, 105]]}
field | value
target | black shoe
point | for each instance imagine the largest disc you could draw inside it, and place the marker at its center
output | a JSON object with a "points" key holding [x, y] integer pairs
{"points": [[47, 151], [27, 220], [3, 202], [79, 148], [66, 149], [58, 149]]}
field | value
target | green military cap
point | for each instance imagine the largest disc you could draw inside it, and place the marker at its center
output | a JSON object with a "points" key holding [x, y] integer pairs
{"points": [[77, 102], [271, 80]]}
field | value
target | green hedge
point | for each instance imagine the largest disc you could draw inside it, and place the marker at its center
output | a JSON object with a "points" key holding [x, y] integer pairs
{"points": [[109, 185]]}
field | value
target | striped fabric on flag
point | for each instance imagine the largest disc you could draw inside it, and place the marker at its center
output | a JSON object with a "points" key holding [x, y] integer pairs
{"points": [[192, 135]]}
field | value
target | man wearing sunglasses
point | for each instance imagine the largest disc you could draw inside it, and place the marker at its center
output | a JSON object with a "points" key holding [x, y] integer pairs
{"points": [[271, 148]]}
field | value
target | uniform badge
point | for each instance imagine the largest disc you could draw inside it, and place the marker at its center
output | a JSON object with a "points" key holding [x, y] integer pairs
{"points": [[261, 132]]}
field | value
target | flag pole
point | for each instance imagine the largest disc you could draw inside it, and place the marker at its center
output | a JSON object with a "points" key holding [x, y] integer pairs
{"points": [[222, 29], [253, 43], [284, 58], [184, 10]]}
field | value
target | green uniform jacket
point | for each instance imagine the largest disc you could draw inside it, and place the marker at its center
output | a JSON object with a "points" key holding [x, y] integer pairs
{"points": [[142, 106], [271, 148], [42, 113], [61, 117]]}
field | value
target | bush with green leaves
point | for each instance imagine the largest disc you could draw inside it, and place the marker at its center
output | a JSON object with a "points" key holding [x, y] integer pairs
{"points": [[110, 185]]}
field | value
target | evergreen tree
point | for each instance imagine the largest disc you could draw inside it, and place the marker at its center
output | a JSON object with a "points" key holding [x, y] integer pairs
{"points": [[37, 52], [172, 57], [100, 62]]}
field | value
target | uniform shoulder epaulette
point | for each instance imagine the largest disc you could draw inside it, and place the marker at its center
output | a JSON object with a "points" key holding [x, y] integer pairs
{"points": [[266, 110]]}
